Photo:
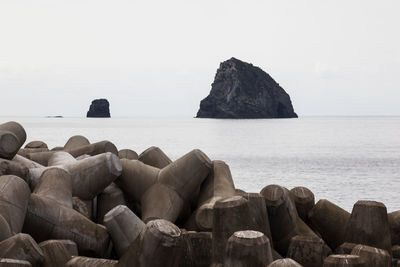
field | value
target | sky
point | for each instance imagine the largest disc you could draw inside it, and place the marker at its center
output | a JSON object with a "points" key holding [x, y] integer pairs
{"points": [[159, 58]]}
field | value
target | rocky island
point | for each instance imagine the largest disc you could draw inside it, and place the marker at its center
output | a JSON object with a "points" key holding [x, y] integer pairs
{"points": [[100, 108], [243, 91]]}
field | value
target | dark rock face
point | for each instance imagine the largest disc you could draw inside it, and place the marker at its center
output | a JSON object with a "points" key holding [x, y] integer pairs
{"points": [[100, 108], [243, 91]]}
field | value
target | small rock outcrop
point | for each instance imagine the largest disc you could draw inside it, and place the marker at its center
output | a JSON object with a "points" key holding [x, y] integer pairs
{"points": [[100, 108], [243, 91]]}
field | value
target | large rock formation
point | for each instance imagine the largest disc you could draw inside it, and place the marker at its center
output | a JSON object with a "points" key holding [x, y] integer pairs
{"points": [[243, 91], [100, 108]]}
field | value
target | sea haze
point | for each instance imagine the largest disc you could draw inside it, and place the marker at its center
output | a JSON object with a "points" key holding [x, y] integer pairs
{"points": [[342, 159]]}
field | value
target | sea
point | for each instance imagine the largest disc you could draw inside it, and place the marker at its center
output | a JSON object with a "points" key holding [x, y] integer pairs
{"points": [[342, 159]]}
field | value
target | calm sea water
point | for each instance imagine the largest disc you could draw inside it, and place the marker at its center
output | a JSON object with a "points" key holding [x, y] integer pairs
{"points": [[342, 159]]}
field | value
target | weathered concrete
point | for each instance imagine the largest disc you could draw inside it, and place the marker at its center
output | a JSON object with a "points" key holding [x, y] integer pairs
{"points": [[161, 202], [275, 254], [345, 248], [127, 154], [70, 246], [92, 175], [41, 157], [394, 223], [304, 200], [36, 144], [55, 183], [248, 248], [75, 142], [5, 231], [284, 263], [111, 197], [124, 227], [94, 149], [8, 167], [55, 253], [308, 250], [341, 260], [136, 177], [155, 157], [218, 184], [197, 249], [187, 173], [175, 186], [368, 225], [259, 220], [14, 263], [30, 164], [80, 206], [60, 158], [282, 216], [14, 197], [159, 245], [12, 137], [91, 262], [22, 247], [230, 215], [330, 221], [59, 222], [374, 257]]}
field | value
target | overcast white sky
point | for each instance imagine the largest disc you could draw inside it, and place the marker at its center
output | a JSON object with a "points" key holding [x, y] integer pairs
{"points": [[159, 58]]}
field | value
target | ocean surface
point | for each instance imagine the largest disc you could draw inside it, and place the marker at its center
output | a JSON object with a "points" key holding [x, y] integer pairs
{"points": [[343, 159]]}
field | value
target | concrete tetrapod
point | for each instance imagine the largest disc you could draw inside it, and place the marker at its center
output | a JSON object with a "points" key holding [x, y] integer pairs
{"points": [[230, 215], [94, 149], [55, 183], [22, 247], [136, 177], [36, 144], [284, 263], [330, 221], [175, 186], [159, 245], [14, 198], [55, 253], [70, 246], [368, 225], [259, 220], [59, 222], [111, 197], [12, 137], [374, 257], [91, 262], [304, 200], [80, 206], [92, 175], [5, 231], [75, 142], [127, 154], [308, 250], [197, 249], [124, 227], [282, 216], [219, 184], [60, 158], [248, 248], [14, 263], [41, 157], [345, 248], [8, 167], [394, 223], [342, 260], [155, 157]]}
